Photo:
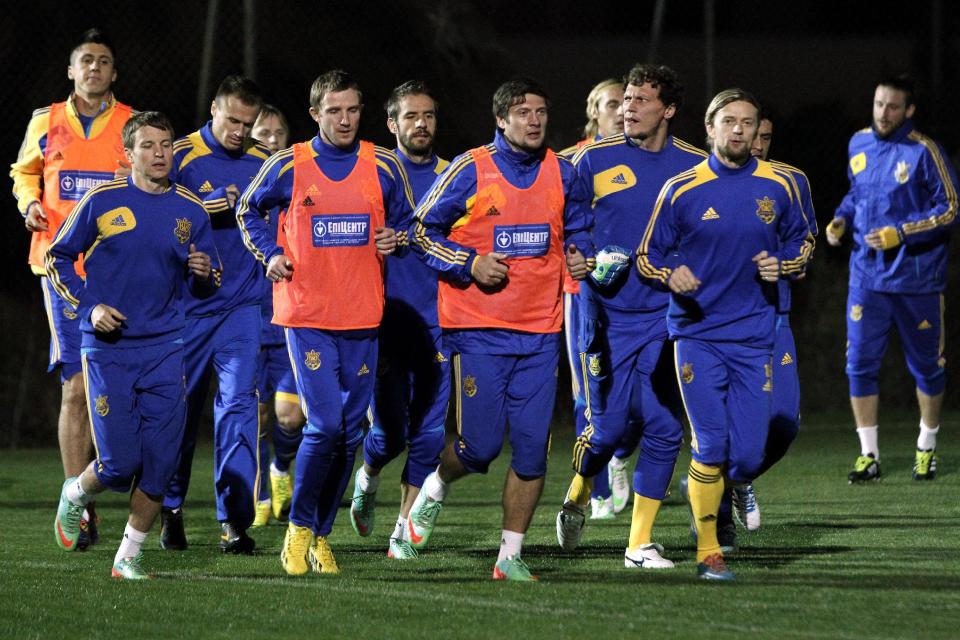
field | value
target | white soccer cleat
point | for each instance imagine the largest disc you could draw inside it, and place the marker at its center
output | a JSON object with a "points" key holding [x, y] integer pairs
{"points": [[745, 506], [602, 509], [646, 557], [619, 485], [570, 523]]}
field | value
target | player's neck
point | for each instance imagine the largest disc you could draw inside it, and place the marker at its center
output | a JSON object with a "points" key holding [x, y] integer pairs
{"points": [[654, 143], [417, 158], [89, 104], [150, 185]]}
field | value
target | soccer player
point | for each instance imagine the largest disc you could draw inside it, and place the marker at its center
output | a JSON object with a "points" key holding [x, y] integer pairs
{"points": [[413, 375], [901, 207], [498, 226], [625, 358], [343, 197], [275, 374], [223, 331], [69, 148], [719, 236], [610, 493], [145, 239]]}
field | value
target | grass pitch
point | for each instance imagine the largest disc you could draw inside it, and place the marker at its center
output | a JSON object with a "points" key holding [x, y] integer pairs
{"points": [[831, 561]]}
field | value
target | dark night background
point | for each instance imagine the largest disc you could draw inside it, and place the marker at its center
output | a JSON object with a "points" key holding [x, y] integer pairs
{"points": [[815, 63]]}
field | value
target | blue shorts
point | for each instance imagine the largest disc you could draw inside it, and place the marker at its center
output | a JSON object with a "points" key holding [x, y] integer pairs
{"points": [[493, 391], [137, 406], [727, 392], [919, 322], [786, 381], [64, 332], [275, 375], [572, 323]]}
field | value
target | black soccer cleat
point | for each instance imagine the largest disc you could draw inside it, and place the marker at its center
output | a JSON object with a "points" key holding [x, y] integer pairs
{"points": [[865, 469], [172, 536], [233, 539]]}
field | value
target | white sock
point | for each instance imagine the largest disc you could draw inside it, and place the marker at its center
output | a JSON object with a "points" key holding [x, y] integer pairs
{"points": [[131, 543], [510, 544], [400, 528], [276, 472], [366, 482], [76, 494], [927, 439], [617, 463], [435, 488], [868, 441]]}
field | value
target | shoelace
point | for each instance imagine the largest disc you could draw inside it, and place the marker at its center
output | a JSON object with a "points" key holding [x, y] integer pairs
{"points": [[297, 544], [429, 512]]}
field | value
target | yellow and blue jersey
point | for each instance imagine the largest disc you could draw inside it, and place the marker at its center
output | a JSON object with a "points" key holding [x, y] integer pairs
{"points": [[801, 187], [905, 181], [135, 247], [202, 165], [409, 282], [714, 220], [273, 187], [625, 180]]}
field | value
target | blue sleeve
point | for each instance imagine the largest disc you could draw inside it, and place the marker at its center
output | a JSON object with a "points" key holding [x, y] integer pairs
{"points": [[660, 240], [441, 207], [397, 196], [848, 206], [796, 240], [577, 212], [272, 187], [938, 191], [216, 201], [202, 239], [76, 235]]}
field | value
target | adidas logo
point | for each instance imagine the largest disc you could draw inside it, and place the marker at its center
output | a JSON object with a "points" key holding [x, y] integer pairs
{"points": [[363, 370], [786, 359], [710, 215], [924, 325], [58, 156], [118, 222], [206, 187], [313, 190], [493, 211], [307, 202], [439, 357], [618, 179]]}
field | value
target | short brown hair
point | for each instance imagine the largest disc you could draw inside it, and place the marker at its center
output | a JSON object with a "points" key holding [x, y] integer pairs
{"points": [[514, 92], [332, 82], [143, 119], [658, 76]]}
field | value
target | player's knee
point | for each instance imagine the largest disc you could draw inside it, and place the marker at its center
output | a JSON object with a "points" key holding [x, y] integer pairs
{"points": [[784, 427], [863, 385], [74, 394], [744, 466], [477, 458], [932, 383], [290, 417], [118, 474]]}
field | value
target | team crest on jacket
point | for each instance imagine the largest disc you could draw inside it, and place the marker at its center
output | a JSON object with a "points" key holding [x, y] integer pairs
{"points": [[101, 406], [68, 314], [593, 365], [470, 386], [902, 172], [182, 230], [686, 373], [312, 360], [766, 209], [856, 312]]}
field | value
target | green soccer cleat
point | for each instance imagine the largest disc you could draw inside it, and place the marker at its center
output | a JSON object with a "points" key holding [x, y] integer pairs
{"points": [[619, 485], [602, 509], [281, 493], [262, 517], [130, 569], [66, 526], [422, 519], [401, 550], [293, 556], [362, 508], [321, 557], [866, 468], [925, 464], [514, 569], [714, 568]]}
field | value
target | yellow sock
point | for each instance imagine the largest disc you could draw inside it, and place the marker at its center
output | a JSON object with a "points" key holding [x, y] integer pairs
{"points": [[641, 527], [580, 490], [705, 489]]}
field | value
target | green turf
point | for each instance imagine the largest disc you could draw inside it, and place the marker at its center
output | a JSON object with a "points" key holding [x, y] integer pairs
{"points": [[831, 561]]}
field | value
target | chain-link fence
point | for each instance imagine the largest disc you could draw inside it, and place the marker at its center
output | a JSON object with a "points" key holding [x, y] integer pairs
{"points": [[820, 84]]}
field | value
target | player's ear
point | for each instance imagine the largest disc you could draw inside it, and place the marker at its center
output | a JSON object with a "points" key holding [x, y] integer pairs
{"points": [[392, 126]]}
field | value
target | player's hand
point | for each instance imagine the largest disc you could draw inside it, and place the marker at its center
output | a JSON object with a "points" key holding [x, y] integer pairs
{"points": [[105, 318], [122, 171], [36, 219], [280, 268], [835, 231], [199, 263], [883, 238], [767, 266], [386, 240], [490, 269], [576, 263], [232, 194], [683, 281]]}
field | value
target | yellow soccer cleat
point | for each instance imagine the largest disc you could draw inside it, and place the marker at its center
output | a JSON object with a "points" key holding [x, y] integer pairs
{"points": [[293, 556], [262, 516], [321, 557], [281, 493]]}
